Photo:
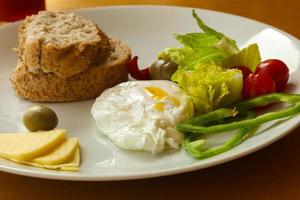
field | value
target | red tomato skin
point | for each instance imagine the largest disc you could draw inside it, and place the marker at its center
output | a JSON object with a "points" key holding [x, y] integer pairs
{"points": [[258, 84], [245, 71], [277, 70], [135, 72]]}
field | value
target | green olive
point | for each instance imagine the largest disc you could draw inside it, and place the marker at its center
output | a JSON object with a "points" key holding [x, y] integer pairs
{"points": [[39, 118], [162, 69]]}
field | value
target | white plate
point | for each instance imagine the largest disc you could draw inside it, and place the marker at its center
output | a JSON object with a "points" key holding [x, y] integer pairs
{"points": [[146, 29]]}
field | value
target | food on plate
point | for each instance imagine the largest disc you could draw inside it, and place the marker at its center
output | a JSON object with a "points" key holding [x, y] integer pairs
{"points": [[276, 70], [188, 92], [248, 57], [159, 70], [245, 106], [207, 71], [258, 84], [207, 67], [64, 44], [210, 87], [71, 164], [30, 145], [245, 71], [207, 47], [238, 117], [65, 57], [45, 149], [269, 76], [60, 154], [197, 146], [217, 75], [135, 72], [141, 115], [40, 118], [162, 69]]}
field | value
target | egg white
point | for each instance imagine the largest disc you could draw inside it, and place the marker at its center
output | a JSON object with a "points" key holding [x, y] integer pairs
{"points": [[128, 116]]}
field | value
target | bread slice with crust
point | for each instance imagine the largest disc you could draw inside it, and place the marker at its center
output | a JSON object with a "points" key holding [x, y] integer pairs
{"points": [[49, 87], [62, 43]]}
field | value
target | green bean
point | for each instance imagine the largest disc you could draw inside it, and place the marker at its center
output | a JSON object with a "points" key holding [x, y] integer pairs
{"points": [[195, 147], [268, 99], [206, 124], [293, 99], [216, 115]]}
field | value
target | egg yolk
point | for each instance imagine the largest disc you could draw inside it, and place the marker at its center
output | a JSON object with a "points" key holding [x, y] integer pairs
{"points": [[160, 106], [159, 94]]}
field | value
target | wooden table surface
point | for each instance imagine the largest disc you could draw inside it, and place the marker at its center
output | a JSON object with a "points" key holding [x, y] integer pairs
{"points": [[271, 173]]}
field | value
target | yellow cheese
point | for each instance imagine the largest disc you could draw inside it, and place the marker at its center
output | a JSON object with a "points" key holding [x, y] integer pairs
{"points": [[72, 164], [26, 146], [44, 149], [58, 155]]}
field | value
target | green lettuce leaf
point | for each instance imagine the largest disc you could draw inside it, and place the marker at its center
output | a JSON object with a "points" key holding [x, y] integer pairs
{"points": [[248, 57], [210, 86], [206, 28], [224, 43], [208, 46], [187, 58]]}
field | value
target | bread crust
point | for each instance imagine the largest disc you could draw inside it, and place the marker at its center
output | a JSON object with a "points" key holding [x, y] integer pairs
{"points": [[48, 87], [63, 60]]}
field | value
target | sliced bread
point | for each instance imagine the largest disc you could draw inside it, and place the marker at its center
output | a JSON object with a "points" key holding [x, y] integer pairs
{"points": [[62, 43], [49, 87]]}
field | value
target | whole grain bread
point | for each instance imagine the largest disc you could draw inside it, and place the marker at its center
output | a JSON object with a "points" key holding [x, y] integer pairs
{"points": [[61, 43], [49, 87]]}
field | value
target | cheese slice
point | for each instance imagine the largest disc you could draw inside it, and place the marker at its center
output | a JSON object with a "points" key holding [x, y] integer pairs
{"points": [[44, 149], [58, 155], [27, 146], [72, 164]]}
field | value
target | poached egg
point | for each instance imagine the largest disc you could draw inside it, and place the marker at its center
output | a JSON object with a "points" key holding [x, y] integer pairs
{"points": [[141, 115]]}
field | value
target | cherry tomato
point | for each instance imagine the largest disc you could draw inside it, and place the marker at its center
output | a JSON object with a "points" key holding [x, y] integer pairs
{"points": [[245, 70], [258, 84], [277, 70]]}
